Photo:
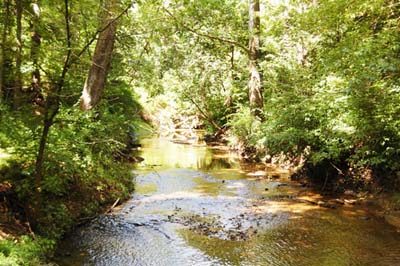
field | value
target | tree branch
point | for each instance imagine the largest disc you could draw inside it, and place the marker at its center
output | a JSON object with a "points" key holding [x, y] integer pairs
{"points": [[101, 30], [202, 34], [67, 58]]}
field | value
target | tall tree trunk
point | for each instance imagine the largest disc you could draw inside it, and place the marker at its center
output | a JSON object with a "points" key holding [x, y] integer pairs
{"points": [[35, 46], [4, 33], [96, 79], [53, 103], [255, 84], [18, 57]]}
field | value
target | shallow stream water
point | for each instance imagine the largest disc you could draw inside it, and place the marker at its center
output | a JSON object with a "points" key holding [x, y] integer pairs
{"points": [[201, 206]]}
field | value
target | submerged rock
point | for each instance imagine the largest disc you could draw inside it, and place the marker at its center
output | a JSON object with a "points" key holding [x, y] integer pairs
{"points": [[351, 201]]}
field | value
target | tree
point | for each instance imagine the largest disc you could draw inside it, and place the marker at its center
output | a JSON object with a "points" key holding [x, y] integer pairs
{"points": [[35, 46], [18, 74], [255, 84], [44, 139], [52, 105], [3, 55], [96, 79]]}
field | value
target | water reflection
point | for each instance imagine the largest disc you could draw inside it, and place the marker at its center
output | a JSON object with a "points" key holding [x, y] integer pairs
{"points": [[161, 153]]}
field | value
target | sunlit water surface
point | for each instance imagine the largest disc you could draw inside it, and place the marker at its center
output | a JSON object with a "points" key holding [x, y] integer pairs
{"points": [[200, 206]]}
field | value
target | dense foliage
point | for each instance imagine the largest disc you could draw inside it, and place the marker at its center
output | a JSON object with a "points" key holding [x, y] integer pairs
{"points": [[330, 73], [337, 96], [85, 159]]}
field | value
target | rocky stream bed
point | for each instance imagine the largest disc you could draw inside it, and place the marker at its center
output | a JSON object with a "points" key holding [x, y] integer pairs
{"points": [[199, 206]]}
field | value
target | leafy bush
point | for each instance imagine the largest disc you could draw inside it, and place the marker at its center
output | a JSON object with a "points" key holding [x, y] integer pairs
{"points": [[81, 160], [245, 128], [25, 251]]}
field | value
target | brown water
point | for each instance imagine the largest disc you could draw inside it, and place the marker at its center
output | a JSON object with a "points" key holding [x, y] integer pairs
{"points": [[200, 206]]}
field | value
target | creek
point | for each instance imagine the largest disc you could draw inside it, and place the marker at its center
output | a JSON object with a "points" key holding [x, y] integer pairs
{"points": [[196, 205]]}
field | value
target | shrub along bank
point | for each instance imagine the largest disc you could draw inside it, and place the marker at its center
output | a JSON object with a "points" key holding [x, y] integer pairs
{"points": [[87, 168]]}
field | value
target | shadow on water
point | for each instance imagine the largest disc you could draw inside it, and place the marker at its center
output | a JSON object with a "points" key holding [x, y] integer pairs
{"points": [[199, 206]]}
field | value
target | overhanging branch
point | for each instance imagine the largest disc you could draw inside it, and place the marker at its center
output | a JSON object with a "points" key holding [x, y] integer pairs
{"points": [[206, 35]]}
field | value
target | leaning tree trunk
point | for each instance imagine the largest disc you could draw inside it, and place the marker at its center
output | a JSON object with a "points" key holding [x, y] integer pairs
{"points": [[18, 57], [96, 79], [255, 85]]}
